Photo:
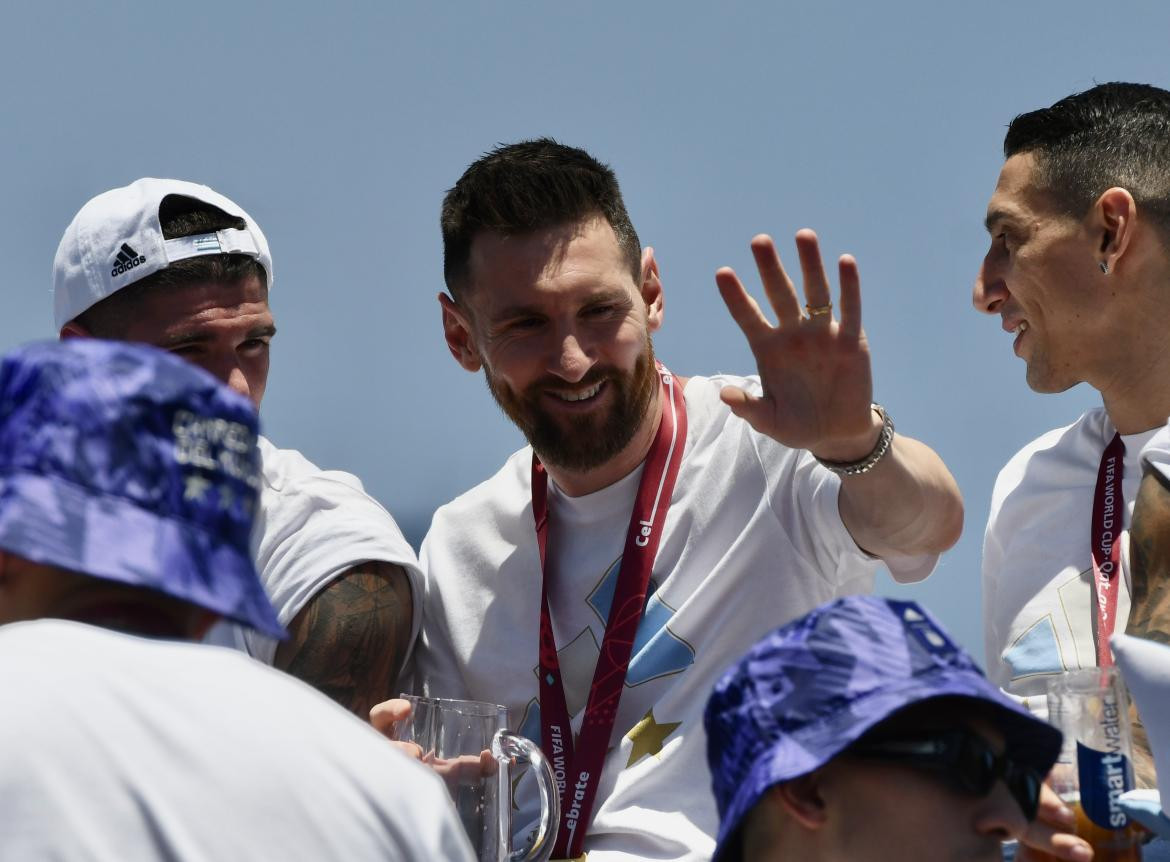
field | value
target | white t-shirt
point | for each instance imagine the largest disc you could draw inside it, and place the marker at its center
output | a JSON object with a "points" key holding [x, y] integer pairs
{"points": [[311, 526], [753, 538], [128, 749], [1037, 564]]}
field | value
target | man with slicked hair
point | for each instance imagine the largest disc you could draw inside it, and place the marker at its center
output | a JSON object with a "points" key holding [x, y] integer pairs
{"points": [[1076, 271]]}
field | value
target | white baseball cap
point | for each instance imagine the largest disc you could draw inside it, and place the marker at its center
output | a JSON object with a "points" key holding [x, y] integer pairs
{"points": [[116, 240]]}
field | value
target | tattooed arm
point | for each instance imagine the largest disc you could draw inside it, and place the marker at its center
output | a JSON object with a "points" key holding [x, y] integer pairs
{"points": [[351, 639], [1149, 611], [1149, 549]]}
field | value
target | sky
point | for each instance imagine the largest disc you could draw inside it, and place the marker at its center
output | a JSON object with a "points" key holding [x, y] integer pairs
{"points": [[340, 126]]}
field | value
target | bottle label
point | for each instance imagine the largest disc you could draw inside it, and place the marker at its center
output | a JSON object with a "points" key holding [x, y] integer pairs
{"points": [[1104, 776]]}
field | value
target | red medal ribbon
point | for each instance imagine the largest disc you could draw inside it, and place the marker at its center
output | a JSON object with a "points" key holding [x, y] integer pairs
{"points": [[1108, 516], [578, 767]]}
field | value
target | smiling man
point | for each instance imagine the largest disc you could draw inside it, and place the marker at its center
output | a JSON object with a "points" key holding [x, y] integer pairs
{"points": [[179, 266], [1077, 271], [656, 525]]}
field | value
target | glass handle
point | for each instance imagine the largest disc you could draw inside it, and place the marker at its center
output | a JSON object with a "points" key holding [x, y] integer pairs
{"points": [[506, 747]]}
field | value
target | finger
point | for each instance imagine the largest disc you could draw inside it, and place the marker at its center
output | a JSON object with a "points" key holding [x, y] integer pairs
{"points": [[410, 749], [743, 404], [816, 283], [745, 311], [850, 304], [1059, 845], [778, 287], [385, 716], [488, 765], [1053, 810], [1051, 832]]}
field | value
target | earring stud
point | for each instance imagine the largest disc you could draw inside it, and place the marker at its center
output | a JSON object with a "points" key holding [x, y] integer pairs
{"points": [[1104, 267]]}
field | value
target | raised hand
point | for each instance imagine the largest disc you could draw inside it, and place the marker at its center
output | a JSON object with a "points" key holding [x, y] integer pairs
{"points": [[814, 369]]}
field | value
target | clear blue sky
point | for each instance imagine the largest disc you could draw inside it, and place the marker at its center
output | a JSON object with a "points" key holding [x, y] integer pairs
{"points": [[339, 126]]}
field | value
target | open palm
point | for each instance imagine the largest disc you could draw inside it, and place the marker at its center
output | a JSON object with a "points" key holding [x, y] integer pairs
{"points": [[814, 370]]}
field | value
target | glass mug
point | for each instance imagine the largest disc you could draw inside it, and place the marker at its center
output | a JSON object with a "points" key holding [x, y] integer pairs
{"points": [[1091, 708], [466, 742]]}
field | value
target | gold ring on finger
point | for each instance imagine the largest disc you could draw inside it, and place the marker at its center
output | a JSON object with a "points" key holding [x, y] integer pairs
{"points": [[813, 311]]}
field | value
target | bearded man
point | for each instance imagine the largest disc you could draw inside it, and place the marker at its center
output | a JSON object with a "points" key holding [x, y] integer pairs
{"points": [[657, 525]]}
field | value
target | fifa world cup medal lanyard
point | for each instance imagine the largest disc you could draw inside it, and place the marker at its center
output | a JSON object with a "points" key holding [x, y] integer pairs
{"points": [[577, 783], [1108, 511]]}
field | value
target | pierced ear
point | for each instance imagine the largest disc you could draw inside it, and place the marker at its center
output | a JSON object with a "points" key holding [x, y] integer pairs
{"points": [[1116, 216], [651, 290], [457, 331], [801, 798]]}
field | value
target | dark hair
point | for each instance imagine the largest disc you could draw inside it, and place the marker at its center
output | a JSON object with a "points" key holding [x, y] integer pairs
{"points": [[1112, 135], [525, 187], [179, 216]]}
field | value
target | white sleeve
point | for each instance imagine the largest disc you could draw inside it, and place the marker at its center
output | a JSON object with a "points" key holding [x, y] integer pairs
{"points": [[312, 526]]}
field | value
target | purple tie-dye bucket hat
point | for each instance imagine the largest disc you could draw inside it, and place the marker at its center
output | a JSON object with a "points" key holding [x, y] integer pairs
{"points": [[811, 688], [123, 462]]}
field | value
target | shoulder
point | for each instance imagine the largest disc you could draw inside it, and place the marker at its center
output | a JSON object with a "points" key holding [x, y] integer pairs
{"points": [[1057, 457], [503, 494], [490, 519], [296, 491], [286, 469]]}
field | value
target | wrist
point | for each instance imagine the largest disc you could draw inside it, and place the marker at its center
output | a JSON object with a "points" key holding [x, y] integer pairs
{"points": [[865, 459]]}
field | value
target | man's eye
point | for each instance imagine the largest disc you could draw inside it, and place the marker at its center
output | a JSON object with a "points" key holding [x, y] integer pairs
{"points": [[523, 323], [600, 310]]}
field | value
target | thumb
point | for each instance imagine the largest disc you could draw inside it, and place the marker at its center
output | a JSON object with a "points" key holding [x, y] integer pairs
{"points": [[743, 404]]}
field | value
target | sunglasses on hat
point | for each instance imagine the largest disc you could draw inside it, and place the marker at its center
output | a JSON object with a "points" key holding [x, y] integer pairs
{"points": [[963, 759]]}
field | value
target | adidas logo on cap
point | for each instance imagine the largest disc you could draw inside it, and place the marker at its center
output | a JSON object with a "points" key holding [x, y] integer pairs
{"points": [[126, 260]]}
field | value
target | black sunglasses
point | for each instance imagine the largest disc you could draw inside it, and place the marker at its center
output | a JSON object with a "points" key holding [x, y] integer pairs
{"points": [[963, 759]]}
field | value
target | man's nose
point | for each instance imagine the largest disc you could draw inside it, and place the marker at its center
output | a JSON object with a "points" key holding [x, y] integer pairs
{"points": [[238, 381], [989, 292], [999, 815], [227, 369], [571, 359]]}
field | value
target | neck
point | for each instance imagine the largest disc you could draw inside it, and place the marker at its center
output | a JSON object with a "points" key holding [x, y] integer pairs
{"points": [[129, 617], [1139, 399], [1135, 386], [578, 483]]}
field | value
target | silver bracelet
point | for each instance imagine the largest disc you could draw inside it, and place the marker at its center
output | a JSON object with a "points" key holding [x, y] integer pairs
{"points": [[864, 465]]}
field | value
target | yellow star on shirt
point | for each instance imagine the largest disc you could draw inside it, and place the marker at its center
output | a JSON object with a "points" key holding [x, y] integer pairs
{"points": [[647, 737]]}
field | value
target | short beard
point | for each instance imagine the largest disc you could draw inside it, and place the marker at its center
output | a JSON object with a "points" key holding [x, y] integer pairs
{"points": [[592, 440]]}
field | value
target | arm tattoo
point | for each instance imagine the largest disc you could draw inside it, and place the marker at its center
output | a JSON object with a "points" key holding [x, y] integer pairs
{"points": [[1149, 557], [1149, 610], [351, 639]]}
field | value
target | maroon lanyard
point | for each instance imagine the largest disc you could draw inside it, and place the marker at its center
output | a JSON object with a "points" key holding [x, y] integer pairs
{"points": [[578, 767], [1108, 511]]}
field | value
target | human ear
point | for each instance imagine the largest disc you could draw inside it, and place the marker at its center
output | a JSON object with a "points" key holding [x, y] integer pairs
{"points": [[1115, 214], [457, 330], [73, 329], [200, 621], [802, 798], [651, 290]]}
